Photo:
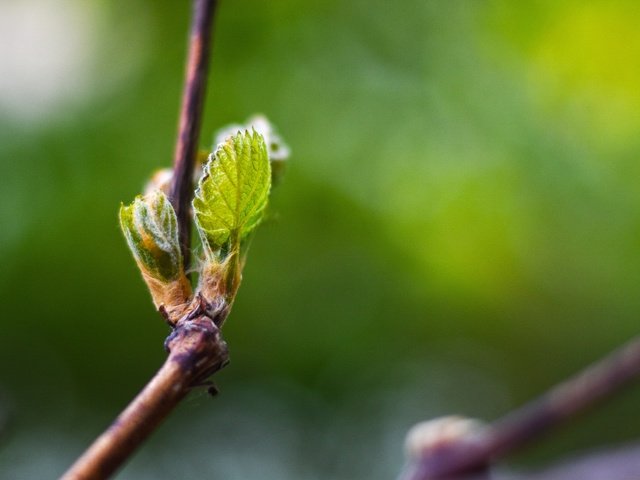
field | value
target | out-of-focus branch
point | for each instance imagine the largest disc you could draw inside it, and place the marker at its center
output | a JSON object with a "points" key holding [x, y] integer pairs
{"points": [[622, 463], [193, 97], [479, 449]]}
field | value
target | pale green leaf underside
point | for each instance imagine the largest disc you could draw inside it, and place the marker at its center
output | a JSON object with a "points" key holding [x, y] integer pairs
{"points": [[232, 194], [149, 224]]}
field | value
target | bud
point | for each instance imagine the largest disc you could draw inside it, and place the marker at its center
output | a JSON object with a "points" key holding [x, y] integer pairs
{"points": [[425, 438], [150, 227], [162, 178]]}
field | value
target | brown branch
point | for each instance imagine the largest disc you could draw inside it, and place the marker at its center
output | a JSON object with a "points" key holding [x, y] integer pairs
{"points": [[196, 352], [621, 463], [618, 463], [193, 97], [515, 430], [196, 349]]}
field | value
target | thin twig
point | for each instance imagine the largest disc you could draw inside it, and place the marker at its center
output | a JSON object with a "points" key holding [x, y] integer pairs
{"points": [[513, 431], [196, 348], [196, 351], [193, 97]]}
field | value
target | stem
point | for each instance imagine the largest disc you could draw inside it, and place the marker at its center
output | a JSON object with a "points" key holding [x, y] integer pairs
{"points": [[522, 426], [190, 118], [196, 352], [196, 348]]}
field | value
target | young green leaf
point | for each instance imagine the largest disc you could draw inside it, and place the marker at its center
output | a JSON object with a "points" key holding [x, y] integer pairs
{"points": [[232, 194], [149, 224], [277, 149]]}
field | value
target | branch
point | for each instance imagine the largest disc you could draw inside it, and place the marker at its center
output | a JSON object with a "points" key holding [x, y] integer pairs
{"points": [[621, 463], [190, 118], [196, 349], [196, 352], [474, 452]]}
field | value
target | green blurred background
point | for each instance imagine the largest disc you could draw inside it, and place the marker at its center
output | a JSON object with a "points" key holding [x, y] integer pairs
{"points": [[458, 229]]}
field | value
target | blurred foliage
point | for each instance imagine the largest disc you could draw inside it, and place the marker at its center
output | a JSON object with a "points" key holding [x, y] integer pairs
{"points": [[458, 229]]}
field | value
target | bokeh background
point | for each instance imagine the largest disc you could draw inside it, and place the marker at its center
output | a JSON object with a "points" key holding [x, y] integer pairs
{"points": [[458, 229]]}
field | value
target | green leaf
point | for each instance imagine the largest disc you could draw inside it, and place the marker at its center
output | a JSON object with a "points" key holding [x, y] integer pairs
{"points": [[277, 149], [233, 192], [149, 224]]}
